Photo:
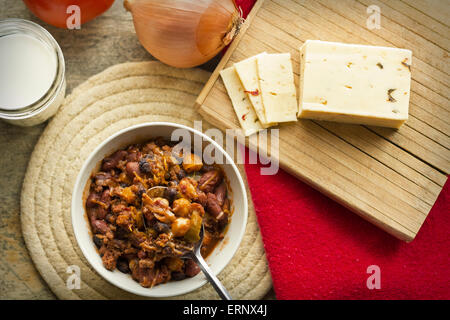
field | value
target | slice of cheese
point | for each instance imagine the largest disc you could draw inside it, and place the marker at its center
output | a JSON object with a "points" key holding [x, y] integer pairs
{"points": [[248, 74], [354, 83], [241, 104], [276, 80]]}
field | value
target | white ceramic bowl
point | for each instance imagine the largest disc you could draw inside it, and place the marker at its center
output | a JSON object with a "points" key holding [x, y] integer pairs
{"points": [[217, 260]]}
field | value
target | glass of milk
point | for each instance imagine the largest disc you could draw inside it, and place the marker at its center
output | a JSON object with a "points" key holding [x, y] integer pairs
{"points": [[32, 82]]}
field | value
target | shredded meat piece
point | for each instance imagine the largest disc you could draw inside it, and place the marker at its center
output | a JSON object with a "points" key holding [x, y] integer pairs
{"points": [[109, 259], [146, 263]]}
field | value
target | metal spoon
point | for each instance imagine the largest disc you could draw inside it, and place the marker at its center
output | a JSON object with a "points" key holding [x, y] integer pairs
{"points": [[197, 257], [156, 192], [195, 254]]}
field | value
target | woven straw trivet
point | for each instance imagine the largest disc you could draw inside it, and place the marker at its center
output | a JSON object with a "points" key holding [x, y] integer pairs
{"points": [[119, 97]]}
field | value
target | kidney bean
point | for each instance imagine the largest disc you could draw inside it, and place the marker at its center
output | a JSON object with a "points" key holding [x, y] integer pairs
{"points": [[106, 197], [102, 179], [96, 213], [131, 168], [209, 180], [99, 226], [149, 147], [213, 206], [112, 161], [119, 155], [191, 269], [216, 211], [133, 156], [92, 199], [221, 193], [100, 212], [108, 164], [91, 213]]}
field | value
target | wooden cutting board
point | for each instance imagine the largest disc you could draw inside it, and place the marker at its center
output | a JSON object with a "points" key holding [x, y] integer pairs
{"points": [[389, 177]]}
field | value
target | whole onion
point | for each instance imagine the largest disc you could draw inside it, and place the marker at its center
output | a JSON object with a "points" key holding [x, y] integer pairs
{"points": [[184, 33]]}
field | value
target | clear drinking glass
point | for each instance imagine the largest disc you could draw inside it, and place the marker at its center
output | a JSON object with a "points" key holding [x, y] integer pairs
{"points": [[42, 109]]}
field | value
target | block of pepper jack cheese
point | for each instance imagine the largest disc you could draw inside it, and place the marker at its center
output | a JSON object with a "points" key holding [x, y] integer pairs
{"points": [[240, 101], [248, 74], [276, 80], [354, 83]]}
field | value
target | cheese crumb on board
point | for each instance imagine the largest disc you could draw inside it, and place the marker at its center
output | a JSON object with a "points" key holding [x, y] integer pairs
{"points": [[354, 83], [241, 104], [246, 70], [276, 80]]}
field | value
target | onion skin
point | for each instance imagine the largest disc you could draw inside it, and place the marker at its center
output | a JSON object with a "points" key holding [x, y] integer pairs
{"points": [[184, 33]]}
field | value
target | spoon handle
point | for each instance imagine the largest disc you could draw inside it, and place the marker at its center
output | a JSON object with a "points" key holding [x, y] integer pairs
{"points": [[217, 285]]}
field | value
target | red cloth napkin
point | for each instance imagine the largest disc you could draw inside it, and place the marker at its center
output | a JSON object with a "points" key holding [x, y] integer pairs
{"points": [[317, 249]]}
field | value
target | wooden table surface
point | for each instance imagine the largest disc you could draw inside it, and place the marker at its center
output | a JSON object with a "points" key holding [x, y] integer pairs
{"points": [[107, 40]]}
